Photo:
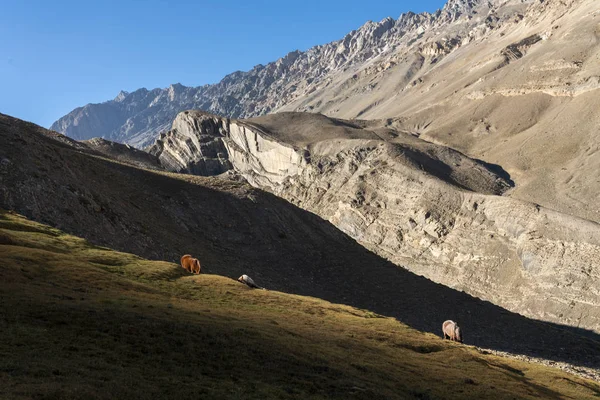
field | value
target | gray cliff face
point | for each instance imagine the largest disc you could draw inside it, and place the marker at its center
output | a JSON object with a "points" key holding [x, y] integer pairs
{"points": [[137, 118], [422, 206], [194, 145]]}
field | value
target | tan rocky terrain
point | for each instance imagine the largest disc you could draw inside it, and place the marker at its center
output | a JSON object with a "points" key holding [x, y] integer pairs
{"points": [[423, 206], [234, 229], [521, 93]]}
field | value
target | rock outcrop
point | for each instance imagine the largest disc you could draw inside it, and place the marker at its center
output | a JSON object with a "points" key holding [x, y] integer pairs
{"points": [[198, 144], [425, 207]]}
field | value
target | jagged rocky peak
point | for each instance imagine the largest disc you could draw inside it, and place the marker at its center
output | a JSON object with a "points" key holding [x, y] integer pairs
{"points": [[467, 6], [375, 30], [137, 120], [411, 20], [456, 9], [175, 89], [462, 6], [288, 59], [121, 96]]}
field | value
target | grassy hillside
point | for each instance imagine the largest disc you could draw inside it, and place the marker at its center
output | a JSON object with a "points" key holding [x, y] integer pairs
{"points": [[81, 321], [235, 229]]}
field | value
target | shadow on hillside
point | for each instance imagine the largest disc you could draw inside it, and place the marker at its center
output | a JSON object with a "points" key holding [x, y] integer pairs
{"points": [[236, 229], [434, 167], [368, 281], [498, 170]]}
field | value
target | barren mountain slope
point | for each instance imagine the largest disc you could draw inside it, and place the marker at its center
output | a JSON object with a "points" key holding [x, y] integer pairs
{"points": [[234, 229], [123, 153], [420, 205], [522, 94]]}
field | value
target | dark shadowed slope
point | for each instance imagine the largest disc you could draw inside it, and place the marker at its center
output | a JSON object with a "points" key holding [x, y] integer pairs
{"points": [[123, 153], [84, 322], [236, 229]]}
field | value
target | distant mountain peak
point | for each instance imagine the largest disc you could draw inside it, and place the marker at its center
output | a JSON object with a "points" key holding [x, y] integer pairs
{"points": [[121, 96]]}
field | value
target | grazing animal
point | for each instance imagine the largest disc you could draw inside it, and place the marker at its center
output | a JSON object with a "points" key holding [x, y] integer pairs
{"points": [[451, 331], [190, 264], [248, 281]]}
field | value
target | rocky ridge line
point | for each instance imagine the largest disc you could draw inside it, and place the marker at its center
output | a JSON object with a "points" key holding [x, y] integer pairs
{"points": [[137, 117]]}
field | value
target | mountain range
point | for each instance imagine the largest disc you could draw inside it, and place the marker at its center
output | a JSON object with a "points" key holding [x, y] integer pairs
{"points": [[375, 49]]}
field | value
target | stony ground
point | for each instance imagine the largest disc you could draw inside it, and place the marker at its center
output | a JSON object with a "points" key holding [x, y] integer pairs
{"points": [[583, 372]]}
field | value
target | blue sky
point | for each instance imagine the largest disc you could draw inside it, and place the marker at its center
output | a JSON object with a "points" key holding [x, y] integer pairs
{"points": [[58, 55]]}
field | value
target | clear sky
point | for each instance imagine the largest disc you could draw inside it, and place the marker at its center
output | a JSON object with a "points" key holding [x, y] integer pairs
{"points": [[58, 55]]}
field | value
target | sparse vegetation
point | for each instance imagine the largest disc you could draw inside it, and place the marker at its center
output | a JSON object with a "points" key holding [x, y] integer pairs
{"points": [[81, 321]]}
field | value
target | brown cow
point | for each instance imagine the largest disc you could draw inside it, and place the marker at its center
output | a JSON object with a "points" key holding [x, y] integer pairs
{"points": [[451, 331], [190, 264]]}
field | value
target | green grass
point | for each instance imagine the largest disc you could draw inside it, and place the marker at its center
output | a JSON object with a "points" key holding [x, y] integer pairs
{"points": [[79, 321]]}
